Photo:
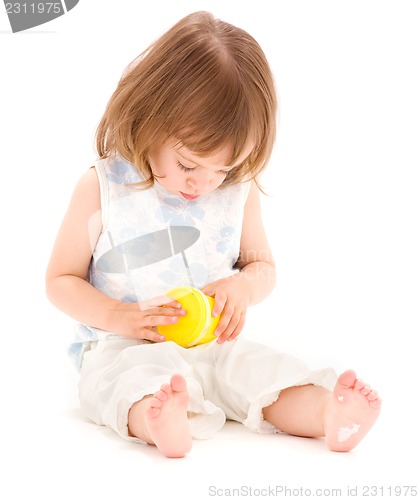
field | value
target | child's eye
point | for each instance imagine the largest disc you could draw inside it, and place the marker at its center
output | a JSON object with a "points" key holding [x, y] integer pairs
{"points": [[191, 169], [185, 169]]}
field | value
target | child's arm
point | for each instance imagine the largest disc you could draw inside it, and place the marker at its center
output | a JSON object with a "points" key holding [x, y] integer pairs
{"points": [[67, 273], [256, 279]]}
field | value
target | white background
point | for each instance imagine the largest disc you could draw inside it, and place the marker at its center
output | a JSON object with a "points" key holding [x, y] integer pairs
{"points": [[342, 215]]}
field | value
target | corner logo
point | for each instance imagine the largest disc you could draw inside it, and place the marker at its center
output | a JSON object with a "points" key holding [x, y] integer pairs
{"points": [[27, 14]]}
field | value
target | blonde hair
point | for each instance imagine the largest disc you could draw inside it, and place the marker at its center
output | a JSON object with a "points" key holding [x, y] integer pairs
{"points": [[205, 83]]}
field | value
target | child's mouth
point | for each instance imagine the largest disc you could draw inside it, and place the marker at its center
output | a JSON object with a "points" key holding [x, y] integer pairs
{"points": [[189, 196]]}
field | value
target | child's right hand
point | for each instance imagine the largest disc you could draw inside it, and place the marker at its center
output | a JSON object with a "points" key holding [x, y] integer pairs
{"points": [[139, 320]]}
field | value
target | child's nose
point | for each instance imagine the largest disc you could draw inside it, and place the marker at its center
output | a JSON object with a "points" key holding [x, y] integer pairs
{"points": [[200, 180]]}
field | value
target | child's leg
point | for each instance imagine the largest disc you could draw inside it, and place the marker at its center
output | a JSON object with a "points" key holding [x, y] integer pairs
{"points": [[343, 416], [161, 419]]}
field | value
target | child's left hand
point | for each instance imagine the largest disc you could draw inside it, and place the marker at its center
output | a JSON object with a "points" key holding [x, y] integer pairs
{"points": [[232, 299]]}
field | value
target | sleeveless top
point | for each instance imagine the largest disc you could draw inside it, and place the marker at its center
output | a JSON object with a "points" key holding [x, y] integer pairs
{"points": [[153, 240]]}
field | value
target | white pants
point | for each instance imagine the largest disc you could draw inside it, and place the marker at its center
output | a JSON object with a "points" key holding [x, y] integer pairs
{"points": [[234, 380]]}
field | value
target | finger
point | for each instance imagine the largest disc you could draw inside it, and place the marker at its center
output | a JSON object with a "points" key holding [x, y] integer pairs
{"points": [[225, 319], [229, 328], [153, 336], [222, 324], [219, 303], [161, 320], [238, 329], [163, 311], [209, 289], [163, 300]]}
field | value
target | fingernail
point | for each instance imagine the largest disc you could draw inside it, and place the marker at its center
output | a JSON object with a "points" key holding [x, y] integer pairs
{"points": [[174, 319]]}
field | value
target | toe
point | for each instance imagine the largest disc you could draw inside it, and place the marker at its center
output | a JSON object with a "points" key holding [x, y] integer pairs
{"points": [[160, 395], [155, 403], [365, 390], [376, 403], [166, 388], [178, 383], [347, 378], [359, 385]]}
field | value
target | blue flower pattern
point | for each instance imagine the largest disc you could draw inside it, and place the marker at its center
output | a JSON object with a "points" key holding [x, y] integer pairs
{"points": [[226, 236], [178, 212]]}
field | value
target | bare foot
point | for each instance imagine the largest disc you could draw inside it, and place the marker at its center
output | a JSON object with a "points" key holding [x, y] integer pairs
{"points": [[351, 412], [166, 418]]}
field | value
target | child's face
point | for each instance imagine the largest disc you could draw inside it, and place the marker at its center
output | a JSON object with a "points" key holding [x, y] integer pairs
{"points": [[190, 176]]}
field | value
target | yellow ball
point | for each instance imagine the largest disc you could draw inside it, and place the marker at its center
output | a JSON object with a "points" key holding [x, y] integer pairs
{"points": [[198, 325]]}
